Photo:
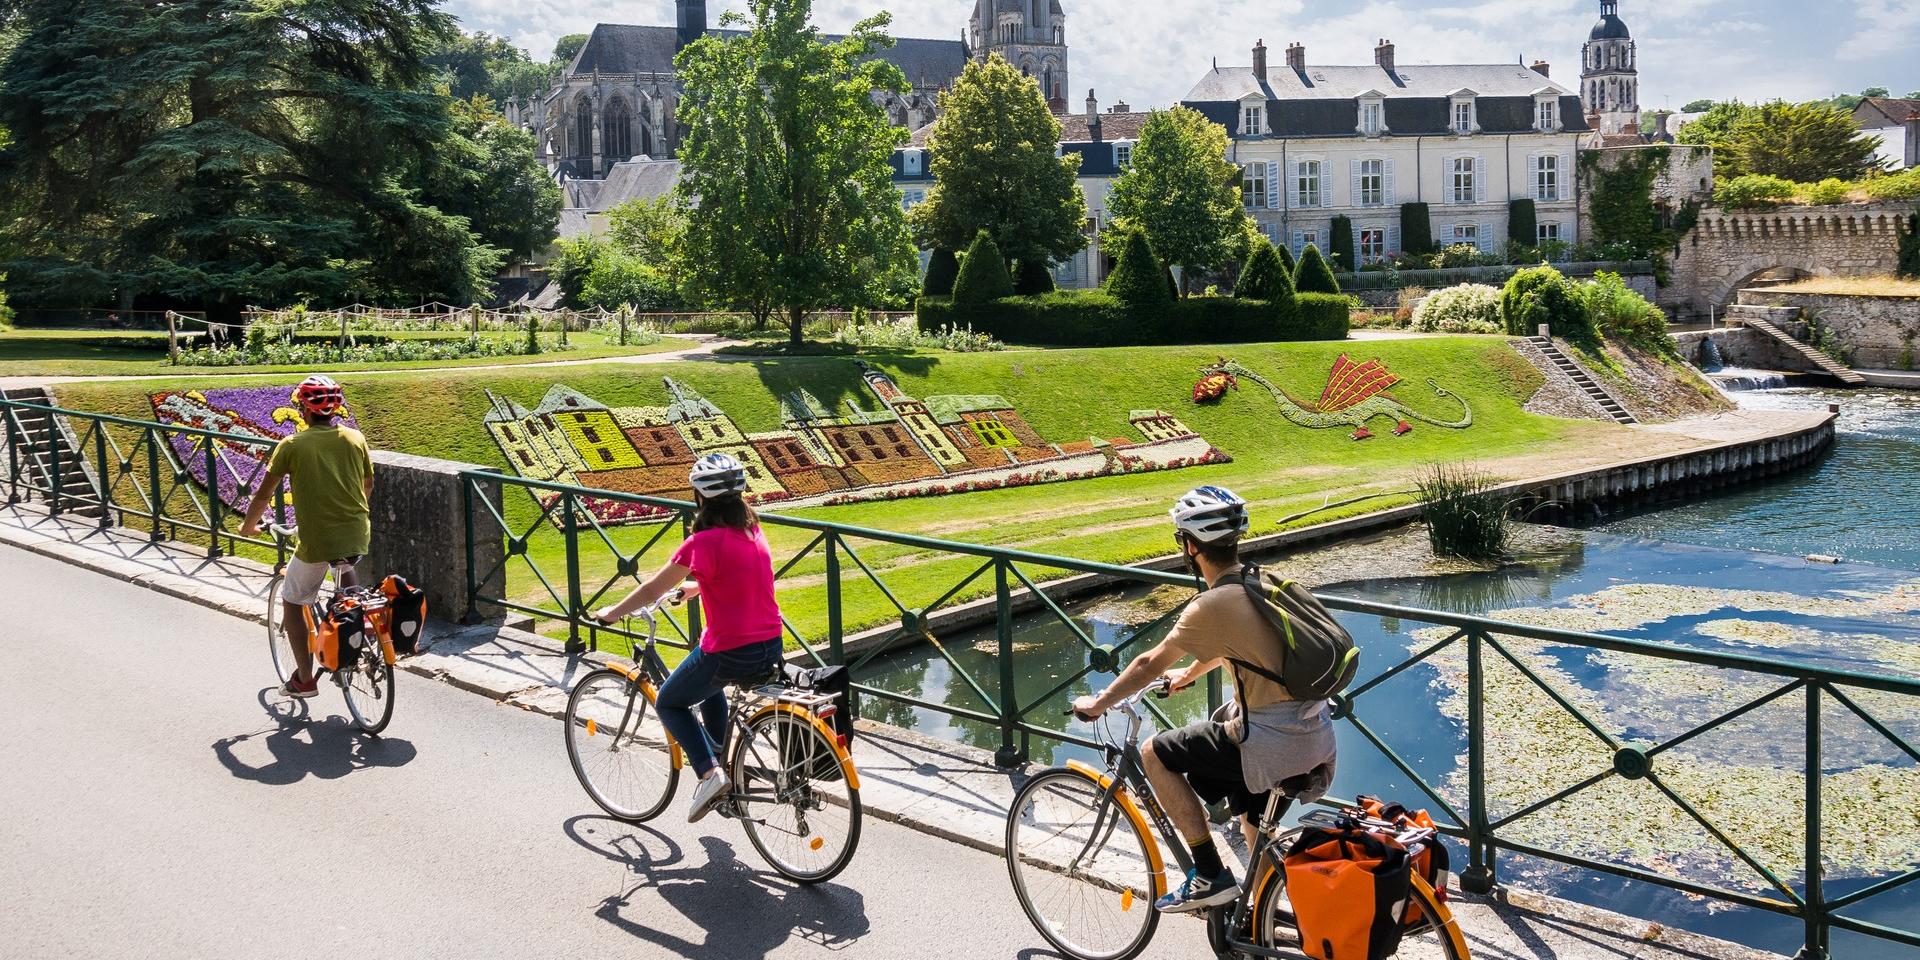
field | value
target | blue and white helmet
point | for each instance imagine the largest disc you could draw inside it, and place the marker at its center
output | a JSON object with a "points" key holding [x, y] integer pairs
{"points": [[1210, 513], [718, 475]]}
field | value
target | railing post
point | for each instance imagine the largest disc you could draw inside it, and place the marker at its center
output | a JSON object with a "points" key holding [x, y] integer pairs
{"points": [[1009, 754], [473, 579], [13, 456], [100, 471], [569, 526], [1479, 875], [54, 443], [1816, 945], [213, 500], [835, 654], [280, 516], [153, 483], [694, 619]]}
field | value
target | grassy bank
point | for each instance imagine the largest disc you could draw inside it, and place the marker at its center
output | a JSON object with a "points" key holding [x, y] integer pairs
{"points": [[1066, 395]]}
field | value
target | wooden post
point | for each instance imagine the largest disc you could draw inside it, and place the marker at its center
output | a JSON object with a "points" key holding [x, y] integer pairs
{"points": [[173, 339], [343, 329], [475, 311], [623, 324]]}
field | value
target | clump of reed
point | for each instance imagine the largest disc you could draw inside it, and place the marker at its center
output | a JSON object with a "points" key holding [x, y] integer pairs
{"points": [[1465, 515]]}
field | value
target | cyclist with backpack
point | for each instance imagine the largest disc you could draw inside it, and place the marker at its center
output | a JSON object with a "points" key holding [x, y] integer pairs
{"points": [[332, 478], [732, 568], [1276, 733]]}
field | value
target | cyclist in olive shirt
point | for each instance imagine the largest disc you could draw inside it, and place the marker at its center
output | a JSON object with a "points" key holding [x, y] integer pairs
{"points": [[332, 478]]}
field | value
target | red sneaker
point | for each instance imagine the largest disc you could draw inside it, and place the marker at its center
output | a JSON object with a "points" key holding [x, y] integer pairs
{"points": [[301, 691]]}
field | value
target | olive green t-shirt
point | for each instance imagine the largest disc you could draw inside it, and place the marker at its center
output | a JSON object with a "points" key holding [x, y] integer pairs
{"points": [[327, 467]]}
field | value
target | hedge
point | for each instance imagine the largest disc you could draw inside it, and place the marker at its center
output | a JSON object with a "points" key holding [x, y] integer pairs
{"points": [[1030, 279], [1319, 316], [1094, 318]]}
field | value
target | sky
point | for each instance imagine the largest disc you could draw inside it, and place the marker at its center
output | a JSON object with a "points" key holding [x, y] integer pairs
{"points": [[1151, 52]]}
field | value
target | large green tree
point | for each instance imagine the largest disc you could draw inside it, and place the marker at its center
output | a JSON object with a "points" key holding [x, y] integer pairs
{"points": [[1803, 142], [479, 63], [1713, 129], [1182, 192], [486, 170], [226, 152], [992, 157], [786, 156]]}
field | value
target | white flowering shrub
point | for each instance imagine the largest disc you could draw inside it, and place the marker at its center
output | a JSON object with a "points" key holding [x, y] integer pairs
{"points": [[1468, 308]]}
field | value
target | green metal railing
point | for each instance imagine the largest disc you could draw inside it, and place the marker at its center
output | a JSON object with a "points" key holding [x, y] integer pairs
{"points": [[135, 474], [137, 478], [1000, 583]]}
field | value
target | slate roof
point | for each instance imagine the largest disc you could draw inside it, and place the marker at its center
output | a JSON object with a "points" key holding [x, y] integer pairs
{"points": [[1074, 128], [1323, 101], [629, 48]]}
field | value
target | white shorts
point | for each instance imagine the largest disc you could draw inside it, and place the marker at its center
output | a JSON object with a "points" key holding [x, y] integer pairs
{"points": [[303, 581]]}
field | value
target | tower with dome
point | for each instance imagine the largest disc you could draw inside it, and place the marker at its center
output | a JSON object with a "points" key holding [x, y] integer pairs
{"points": [[1610, 74]]}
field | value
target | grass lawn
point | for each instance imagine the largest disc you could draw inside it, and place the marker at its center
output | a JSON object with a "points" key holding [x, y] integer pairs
{"points": [[34, 352], [1065, 394]]}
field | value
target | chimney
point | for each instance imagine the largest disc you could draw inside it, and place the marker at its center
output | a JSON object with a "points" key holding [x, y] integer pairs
{"points": [[1297, 57], [1540, 67], [1120, 107], [1383, 54], [1260, 59], [1093, 106]]}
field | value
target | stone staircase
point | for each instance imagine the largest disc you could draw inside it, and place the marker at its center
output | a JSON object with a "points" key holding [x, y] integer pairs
{"points": [[1765, 320], [37, 433], [1580, 379]]}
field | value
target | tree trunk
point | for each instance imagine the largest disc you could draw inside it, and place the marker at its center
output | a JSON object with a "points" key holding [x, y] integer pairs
{"points": [[796, 321]]}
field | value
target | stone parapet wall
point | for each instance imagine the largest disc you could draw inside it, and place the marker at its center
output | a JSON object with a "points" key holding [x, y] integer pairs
{"points": [[1742, 347], [1728, 248], [420, 531], [1878, 332]]}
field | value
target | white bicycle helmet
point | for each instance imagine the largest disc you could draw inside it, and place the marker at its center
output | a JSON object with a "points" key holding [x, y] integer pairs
{"points": [[1210, 513], [718, 475]]}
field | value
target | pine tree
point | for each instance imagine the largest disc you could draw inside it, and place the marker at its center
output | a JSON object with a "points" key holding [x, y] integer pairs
{"points": [[983, 277], [1313, 275], [1138, 280], [942, 269]]}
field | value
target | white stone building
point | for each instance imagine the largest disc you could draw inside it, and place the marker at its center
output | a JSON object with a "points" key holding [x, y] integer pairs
{"points": [[1316, 142], [1897, 123]]}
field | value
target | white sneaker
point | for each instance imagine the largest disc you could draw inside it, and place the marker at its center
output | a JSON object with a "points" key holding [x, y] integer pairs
{"points": [[707, 795]]}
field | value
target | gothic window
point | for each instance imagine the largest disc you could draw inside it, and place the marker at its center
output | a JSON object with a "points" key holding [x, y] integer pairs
{"points": [[582, 145], [616, 131]]}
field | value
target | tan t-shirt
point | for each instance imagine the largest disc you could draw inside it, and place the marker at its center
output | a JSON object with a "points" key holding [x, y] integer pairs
{"points": [[1223, 622]]}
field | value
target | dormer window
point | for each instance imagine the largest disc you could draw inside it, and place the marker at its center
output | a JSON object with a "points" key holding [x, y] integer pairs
{"points": [[1253, 119], [1123, 154], [1460, 117], [1373, 114], [1546, 112]]}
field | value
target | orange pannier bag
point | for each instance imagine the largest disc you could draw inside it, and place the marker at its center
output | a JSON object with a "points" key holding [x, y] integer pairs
{"points": [[1429, 859], [1349, 888]]}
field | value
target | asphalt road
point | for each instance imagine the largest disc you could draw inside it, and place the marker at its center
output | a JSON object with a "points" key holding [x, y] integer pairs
{"points": [[152, 806]]}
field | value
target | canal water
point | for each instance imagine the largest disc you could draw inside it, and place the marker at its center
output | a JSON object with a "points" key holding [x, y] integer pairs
{"points": [[1726, 574]]}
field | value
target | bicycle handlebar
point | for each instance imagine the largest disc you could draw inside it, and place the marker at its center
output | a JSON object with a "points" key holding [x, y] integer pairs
{"points": [[1161, 688]]}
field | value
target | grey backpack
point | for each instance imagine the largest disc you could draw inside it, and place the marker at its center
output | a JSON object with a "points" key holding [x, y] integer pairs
{"points": [[1319, 658]]}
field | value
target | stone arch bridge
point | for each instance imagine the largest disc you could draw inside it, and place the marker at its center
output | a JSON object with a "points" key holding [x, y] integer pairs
{"points": [[1728, 249]]}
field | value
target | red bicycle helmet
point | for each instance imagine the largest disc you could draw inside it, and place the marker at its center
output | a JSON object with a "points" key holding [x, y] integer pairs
{"points": [[320, 396]]}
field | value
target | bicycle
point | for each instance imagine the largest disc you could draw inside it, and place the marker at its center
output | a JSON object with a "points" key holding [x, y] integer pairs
{"points": [[365, 671], [788, 768], [1086, 869]]}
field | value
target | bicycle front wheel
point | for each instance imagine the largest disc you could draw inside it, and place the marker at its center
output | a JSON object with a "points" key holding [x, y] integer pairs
{"points": [[618, 748], [796, 803], [279, 644], [367, 682], [1083, 869], [1432, 934]]}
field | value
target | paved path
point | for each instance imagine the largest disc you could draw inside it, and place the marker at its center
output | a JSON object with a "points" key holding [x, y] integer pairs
{"points": [[155, 808]]}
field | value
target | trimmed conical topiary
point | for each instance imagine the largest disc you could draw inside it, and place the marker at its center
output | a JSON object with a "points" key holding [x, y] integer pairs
{"points": [[1258, 276], [1313, 275], [1138, 281], [983, 277], [1340, 244], [942, 269], [1032, 279], [1286, 259]]}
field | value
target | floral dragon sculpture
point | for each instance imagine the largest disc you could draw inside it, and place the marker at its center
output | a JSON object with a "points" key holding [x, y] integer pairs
{"points": [[1355, 394]]}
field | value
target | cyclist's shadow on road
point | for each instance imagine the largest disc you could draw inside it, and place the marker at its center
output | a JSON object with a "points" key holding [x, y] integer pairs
{"points": [[745, 912], [297, 746]]}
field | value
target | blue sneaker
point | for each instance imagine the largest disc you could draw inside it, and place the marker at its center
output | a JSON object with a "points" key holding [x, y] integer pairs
{"points": [[1199, 893]]}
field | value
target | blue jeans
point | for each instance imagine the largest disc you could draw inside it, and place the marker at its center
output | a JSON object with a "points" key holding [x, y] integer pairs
{"points": [[698, 682]]}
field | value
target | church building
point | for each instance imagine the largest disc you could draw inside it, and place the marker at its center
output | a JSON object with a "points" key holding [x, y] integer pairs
{"points": [[1610, 74], [616, 100]]}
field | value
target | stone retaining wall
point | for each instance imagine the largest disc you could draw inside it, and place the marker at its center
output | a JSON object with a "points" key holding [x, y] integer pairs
{"points": [[1879, 332], [420, 532], [1743, 347]]}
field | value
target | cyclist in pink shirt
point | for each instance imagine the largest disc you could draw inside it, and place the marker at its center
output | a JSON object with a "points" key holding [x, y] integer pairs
{"points": [[732, 571]]}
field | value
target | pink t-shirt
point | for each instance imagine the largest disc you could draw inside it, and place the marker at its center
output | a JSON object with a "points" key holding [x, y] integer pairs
{"points": [[734, 569]]}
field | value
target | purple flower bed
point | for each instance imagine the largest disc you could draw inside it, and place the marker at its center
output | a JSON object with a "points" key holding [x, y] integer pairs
{"points": [[266, 413]]}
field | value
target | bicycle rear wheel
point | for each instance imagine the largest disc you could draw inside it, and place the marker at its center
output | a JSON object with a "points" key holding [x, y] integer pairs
{"points": [[279, 644], [1437, 936], [618, 748], [795, 802], [1083, 871], [367, 682]]}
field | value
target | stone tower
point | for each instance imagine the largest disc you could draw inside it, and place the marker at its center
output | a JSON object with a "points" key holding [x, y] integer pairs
{"points": [[1609, 76], [1031, 35], [692, 22]]}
